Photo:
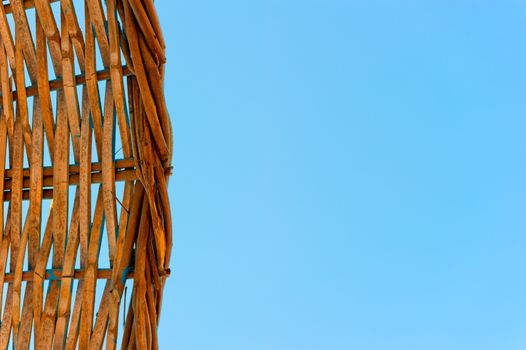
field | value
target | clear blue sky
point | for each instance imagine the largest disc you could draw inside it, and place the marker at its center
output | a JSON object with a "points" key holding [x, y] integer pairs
{"points": [[348, 175]]}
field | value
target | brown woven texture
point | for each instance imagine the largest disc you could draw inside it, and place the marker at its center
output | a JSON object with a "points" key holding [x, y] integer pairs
{"points": [[85, 153]]}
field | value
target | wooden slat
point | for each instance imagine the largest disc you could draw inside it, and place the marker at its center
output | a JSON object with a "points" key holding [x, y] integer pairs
{"points": [[88, 302], [120, 164], [3, 148], [74, 179], [7, 37], [49, 25], [99, 330], [116, 78], [17, 243], [24, 337], [66, 284], [92, 82], [40, 270], [70, 89], [75, 33], [33, 225], [98, 20], [44, 92], [85, 179], [78, 274], [24, 38], [60, 183], [108, 171], [28, 4]]}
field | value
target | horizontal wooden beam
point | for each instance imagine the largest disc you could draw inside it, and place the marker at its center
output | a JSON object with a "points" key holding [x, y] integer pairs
{"points": [[74, 179], [124, 171], [75, 168], [78, 274], [47, 193], [28, 4], [56, 274], [80, 79]]}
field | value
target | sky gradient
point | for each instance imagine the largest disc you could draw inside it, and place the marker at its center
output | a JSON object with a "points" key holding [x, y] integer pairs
{"points": [[348, 175]]}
